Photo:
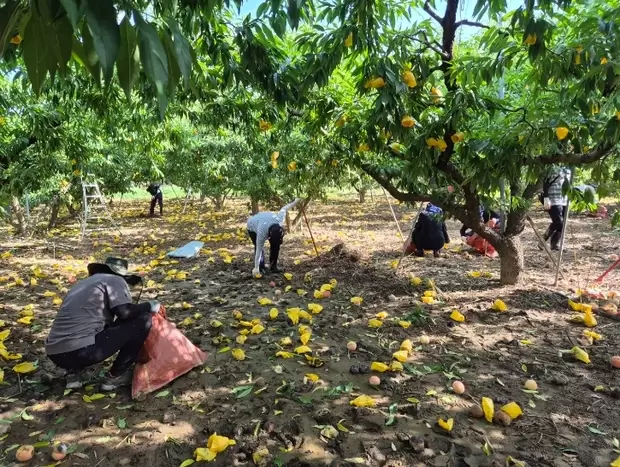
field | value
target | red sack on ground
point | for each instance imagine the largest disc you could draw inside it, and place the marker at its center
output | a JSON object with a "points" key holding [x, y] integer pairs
{"points": [[165, 355], [481, 246]]}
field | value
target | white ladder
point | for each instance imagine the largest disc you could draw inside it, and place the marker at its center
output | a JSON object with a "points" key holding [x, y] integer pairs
{"points": [[95, 208]]}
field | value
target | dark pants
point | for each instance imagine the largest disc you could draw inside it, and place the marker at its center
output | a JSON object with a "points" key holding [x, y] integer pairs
{"points": [[157, 199], [554, 232], [124, 336], [426, 242], [274, 250]]}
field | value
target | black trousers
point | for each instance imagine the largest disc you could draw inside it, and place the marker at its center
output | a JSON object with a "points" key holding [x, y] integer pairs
{"points": [[157, 199], [124, 336], [274, 250], [426, 242], [554, 232]]}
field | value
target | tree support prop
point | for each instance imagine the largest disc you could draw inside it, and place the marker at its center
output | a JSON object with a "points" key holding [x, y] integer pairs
{"points": [[543, 243], [303, 212], [557, 271], [407, 239], [393, 214]]}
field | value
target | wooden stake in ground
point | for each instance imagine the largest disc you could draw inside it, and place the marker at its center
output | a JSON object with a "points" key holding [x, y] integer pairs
{"points": [[557, 270], [543, 243], [404, 253], [393, 214], [303, 213]]}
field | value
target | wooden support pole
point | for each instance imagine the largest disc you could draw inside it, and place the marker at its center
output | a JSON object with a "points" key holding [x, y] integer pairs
{"points": [[543, 243], [303, 213], [393, 213], [557, 271]]}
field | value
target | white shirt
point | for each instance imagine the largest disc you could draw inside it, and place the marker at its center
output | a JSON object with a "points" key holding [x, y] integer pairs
{"points": [[260, 223]]}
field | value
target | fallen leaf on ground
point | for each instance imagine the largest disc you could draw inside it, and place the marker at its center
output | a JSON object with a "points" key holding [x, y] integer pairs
{"points": [[446, 424], [488, 409], [457, 316], [363, 401], [499, 305], [512, 409]]}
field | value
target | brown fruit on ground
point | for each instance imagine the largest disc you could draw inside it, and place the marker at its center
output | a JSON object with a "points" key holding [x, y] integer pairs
{"points": [[502, 418], [24, 453], [476, 412]]}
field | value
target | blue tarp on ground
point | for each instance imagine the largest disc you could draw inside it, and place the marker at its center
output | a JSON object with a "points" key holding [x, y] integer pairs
{"points": [[189, 250]]}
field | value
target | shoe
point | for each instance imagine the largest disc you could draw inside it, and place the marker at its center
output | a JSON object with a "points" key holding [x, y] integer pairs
{"points": [[436, 254], [73, 380], [419, 253], [275, 269], [112, 383]]}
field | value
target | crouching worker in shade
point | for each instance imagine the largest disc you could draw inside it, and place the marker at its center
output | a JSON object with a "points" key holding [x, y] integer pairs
{"points": [[96, 320], [430, 231], [268, 226], [486, 215]]}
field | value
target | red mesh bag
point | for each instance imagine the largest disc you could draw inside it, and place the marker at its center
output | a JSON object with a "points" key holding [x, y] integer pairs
{"points": [[410, 248], [165, 355], [481, 246]]}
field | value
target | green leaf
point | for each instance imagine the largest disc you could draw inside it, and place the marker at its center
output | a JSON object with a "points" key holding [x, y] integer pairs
{"points": [[243, 391], [9, 14], [163, 393], [101, 18], [183, 52], [154, 59], [305, 400], [596, 431], [127, 63], [34, 51], [59, 420], [26, 416], [392, 414], [187, 462], [174, 73], [59, 40], [88, 55], [121, 423], [74, 13], [41, 444]]}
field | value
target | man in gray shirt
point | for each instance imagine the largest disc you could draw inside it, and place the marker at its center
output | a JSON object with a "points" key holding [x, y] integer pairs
{"points": [[268, 226], [96, 320]]}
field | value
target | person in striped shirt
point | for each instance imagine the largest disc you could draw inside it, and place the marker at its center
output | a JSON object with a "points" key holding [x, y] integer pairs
{"points": [[555, 202], [268, 226]]}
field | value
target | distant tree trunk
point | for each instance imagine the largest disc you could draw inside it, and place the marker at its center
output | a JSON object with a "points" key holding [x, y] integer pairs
{"points": [[362, 195], [54, 213], [17, 214], [303, 204], [254, 205], [218, 201]]}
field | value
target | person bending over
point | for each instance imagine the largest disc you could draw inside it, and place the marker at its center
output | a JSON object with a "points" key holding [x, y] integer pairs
{"points": [[96, 320], [268, 226], [486, 215], [157, 198], [430, 231]]}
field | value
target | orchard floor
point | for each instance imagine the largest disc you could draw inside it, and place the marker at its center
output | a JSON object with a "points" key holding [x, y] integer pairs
{"points": [[572, 420]]}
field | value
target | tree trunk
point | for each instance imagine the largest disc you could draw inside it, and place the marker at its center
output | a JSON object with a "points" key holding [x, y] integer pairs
{"points": [[254, 203], [218, 202], [54, 214], [17, 213], [510, 252], [297, 222], [362, 193]]}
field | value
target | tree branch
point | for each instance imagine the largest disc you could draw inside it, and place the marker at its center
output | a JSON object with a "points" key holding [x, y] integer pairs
{"points": [[573, 159], [391, 189], [432, 13], [466, 22]]}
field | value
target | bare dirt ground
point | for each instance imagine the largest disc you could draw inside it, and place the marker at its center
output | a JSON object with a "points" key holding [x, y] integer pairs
{"points": [[267, 404]]}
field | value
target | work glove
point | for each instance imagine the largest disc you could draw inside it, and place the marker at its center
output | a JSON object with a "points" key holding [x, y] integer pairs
{"points": [[547, 204], [155, 306]]}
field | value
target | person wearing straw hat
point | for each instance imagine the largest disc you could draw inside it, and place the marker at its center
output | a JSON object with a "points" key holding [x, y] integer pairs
{"points": [[268, 226], [97, 320]]}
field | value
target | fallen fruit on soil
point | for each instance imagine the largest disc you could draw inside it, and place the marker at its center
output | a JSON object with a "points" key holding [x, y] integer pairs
{"points": [[59, 452], [502, 418], [24, 453], [458, 387], [272, 284], [476, 412], [531, 385], [327, 294], [374, 380], [615, 361], [425, 340], [351, 346]]}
